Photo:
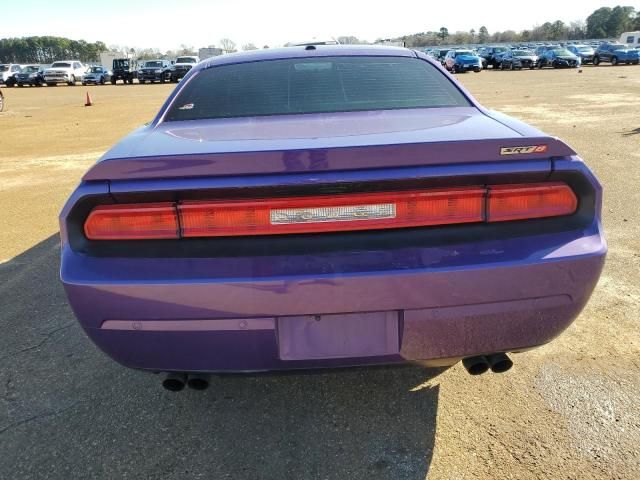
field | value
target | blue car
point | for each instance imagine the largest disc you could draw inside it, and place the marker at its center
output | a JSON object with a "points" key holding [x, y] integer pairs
{"points": [[558, 58], [616, 53], [460, 61], [584, 52]]}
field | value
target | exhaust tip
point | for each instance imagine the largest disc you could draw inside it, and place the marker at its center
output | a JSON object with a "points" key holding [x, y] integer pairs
{"points": [[499, 362], [475, 365], [174, 382], [198, 381]]}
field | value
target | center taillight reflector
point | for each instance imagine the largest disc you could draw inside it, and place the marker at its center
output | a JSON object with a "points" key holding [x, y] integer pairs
{"points": [[366, 211], [345, 212]]}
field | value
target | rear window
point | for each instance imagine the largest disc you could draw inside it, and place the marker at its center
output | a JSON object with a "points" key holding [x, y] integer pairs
{"points": [[314, 85]]}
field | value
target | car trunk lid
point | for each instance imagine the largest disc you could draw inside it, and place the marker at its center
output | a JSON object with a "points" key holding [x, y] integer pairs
{"points": [[322, 142]]}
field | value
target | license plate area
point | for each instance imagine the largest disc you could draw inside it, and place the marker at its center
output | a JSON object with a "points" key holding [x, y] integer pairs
{"points": [[309, 337]]}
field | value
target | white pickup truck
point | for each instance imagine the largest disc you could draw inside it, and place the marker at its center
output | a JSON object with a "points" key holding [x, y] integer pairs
{"points": [[65, 71]]}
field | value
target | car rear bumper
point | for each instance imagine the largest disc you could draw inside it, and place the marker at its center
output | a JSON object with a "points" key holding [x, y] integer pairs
{"points": [[248, 314]]}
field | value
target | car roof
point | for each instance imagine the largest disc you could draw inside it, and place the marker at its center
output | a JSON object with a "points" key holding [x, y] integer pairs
{"points": [[309, 51]]}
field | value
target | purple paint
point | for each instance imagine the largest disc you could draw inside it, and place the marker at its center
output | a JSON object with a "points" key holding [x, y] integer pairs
{"points": [[361, 304]]}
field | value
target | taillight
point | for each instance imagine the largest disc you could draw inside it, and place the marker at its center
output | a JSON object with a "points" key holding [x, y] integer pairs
{"points": [[315, 214], [331, 214], [518, 202], [132, 222]]}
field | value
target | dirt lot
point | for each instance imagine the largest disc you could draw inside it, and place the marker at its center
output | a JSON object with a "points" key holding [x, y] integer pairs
{"points": [[567, 410]]}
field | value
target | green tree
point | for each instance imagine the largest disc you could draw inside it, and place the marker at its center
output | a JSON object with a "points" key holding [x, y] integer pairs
{"points": [[620, 20], [483, 35], [443, 34], [597, 23]]}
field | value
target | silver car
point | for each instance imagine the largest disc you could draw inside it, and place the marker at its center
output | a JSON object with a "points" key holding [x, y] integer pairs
{"points": [[96, 75]]}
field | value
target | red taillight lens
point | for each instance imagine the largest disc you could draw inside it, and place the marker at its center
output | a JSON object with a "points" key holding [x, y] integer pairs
{"points": [[132, 222], [331, 214], [517, 202], [360, 211]]}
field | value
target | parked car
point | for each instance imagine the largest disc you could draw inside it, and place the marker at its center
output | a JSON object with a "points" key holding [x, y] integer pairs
{"points": [[182, 66], [155, 71], [540, 49], [241, 230], [460, 61], [519, 59], [32, 75], [433, 53], [8, 72], [616, 53], [67, 71], [584, 52], [96, 75], [123, 69], [558, 58], [492, 56]]}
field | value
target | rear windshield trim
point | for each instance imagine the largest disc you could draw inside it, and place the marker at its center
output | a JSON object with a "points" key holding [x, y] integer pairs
{"points": [[448, 87]]}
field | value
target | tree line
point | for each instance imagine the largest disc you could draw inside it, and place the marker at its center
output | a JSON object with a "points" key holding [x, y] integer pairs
{"points": [[604, 22], [48, 50]]}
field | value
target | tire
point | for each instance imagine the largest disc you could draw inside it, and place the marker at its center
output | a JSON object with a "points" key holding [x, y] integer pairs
{"points": [[511, 67], [477, 70], [102, 81], [1, 102], [49, 84], [113, 81], [21, 85], [614, 61], [531, 67], [596, 61], [72, 81]]}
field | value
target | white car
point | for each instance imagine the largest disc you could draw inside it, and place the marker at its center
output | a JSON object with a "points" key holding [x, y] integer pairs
{"points": [[182, 66], [7, 71], [66, 71]]}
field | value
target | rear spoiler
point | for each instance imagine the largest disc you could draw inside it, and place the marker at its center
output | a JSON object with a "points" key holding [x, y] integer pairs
{"points": [[328, 159]]}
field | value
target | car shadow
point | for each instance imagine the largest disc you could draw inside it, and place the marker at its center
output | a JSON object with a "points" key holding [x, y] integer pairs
{"points": [[67, 411], [635, 131]]}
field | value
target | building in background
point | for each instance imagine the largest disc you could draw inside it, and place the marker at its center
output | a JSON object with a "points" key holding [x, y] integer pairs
{"points": [[209, 52]]}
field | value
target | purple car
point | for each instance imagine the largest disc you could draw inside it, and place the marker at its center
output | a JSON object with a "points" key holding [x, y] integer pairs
{"points": [[325, 206]]}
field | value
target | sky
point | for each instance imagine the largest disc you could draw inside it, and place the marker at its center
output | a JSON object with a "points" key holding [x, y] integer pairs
{"points": [[199, 23]]}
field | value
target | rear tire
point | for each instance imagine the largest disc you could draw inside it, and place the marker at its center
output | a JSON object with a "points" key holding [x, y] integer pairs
{"points": [[596, 61], [72, 81], [614, 61]]}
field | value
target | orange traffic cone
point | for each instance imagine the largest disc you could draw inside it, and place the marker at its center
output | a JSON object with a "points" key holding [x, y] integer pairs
{"points": [[89, 102]]}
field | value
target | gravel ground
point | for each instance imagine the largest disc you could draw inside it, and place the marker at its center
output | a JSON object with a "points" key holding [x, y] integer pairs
{"points": [[568, 410]]}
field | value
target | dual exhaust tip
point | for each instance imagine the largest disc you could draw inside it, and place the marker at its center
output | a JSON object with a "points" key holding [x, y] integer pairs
{"points": [[176, 381], [497, 362]]}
